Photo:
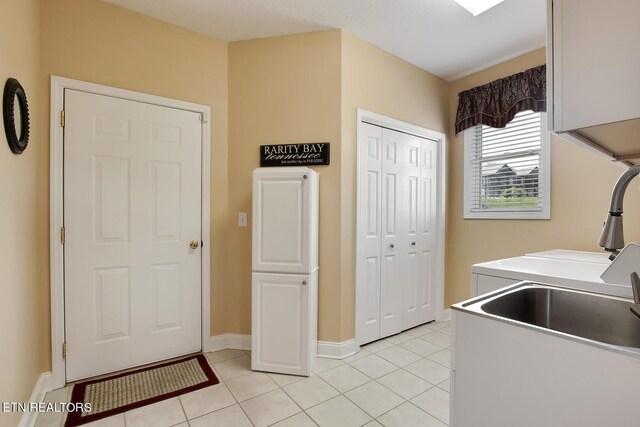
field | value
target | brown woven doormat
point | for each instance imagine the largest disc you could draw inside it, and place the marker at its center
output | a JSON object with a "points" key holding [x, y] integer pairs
{"points": [[122, 392]]}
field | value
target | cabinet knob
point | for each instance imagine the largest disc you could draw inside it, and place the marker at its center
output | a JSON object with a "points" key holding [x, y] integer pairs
{"points": [[304, 282], [392, 246], [413, 243], [304, 176]]}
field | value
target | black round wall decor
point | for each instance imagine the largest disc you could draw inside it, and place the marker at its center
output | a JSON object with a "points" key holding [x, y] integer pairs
{"points": [[15, 113]]}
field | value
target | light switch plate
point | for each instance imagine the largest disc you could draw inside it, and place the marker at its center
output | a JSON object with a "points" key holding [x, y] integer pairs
{"points": [[242, 219]]}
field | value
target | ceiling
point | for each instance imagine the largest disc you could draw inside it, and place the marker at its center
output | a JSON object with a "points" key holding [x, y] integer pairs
{"points": [[436, 35]]}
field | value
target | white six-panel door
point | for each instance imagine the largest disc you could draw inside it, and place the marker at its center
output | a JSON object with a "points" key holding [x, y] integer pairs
{"points": [[397, 241], [393, 232], [412, 221], [420, 209], [370, 238], [132, 205], [427, 232]]}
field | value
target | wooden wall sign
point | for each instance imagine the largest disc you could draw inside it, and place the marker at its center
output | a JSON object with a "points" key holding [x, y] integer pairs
{"points": [[312, 154]]}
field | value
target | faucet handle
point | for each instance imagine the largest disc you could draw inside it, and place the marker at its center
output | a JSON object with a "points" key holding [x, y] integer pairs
{"points": [[635, 287]]}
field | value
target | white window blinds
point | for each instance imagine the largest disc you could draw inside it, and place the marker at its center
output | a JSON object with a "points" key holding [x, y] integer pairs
{"points": [[506, 168]]}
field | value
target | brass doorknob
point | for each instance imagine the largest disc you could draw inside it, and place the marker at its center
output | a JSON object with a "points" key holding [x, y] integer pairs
{"points": [[194, 244]]}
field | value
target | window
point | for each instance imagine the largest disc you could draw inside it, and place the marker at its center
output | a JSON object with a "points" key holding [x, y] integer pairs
{"points": [[506, 172]]}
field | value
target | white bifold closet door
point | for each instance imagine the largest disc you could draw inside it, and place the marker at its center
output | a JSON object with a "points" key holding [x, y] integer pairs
{"points": [[398, 200]]}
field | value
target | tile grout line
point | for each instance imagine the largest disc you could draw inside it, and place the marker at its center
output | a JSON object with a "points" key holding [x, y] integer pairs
{"points": [[410, 402], [399, 368], [243, 411], [319, 403], [407, 400], [292, 399], [371, 415], [186, 418]]}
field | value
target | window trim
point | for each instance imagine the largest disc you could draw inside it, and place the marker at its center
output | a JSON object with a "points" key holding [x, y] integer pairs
{"points": [[545, 166]]}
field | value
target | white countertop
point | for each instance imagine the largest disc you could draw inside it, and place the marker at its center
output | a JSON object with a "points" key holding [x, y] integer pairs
{"points": [[573, 269]]}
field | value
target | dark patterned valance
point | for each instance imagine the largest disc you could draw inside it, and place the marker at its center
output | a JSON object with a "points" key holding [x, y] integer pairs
{"points": [[496, 103]]}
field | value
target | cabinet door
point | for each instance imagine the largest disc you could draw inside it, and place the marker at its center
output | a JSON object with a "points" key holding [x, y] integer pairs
{"points": [[281, 324], [595, 62], [281, 231]]}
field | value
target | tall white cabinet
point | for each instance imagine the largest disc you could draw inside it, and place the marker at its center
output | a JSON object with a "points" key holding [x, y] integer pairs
{"points": [[285, 270], [397, 239]]}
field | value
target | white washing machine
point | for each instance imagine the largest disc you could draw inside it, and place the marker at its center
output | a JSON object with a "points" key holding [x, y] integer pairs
{"points": [[560, 267]]}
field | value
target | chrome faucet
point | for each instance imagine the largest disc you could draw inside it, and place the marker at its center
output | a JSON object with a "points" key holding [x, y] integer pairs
{"points": [[611, 238]]}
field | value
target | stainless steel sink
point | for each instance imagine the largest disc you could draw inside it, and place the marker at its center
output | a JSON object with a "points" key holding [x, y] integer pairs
{"points": [[581, 314]]}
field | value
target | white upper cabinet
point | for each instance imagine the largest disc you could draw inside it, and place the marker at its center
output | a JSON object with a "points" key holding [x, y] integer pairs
{"points": [[285, 217], [596, 62], [594, 73]]}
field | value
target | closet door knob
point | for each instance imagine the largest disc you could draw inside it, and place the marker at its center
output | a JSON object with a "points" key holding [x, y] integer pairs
{"points": [[392, 246]]}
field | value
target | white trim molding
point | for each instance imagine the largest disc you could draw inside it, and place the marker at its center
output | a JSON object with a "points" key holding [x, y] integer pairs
{"points": [[42, 387], [445, 316], [326, 349], [58, 86], [337, 350], [231, 341]]}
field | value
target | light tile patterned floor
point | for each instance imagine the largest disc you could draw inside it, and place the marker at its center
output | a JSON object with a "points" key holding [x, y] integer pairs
{"points": [[398, 381]]}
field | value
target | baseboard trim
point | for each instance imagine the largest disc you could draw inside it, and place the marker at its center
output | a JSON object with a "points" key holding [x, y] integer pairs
{"points": [[224, 341], [326, 349], [42, 387], [445, 315], [337, 350]]}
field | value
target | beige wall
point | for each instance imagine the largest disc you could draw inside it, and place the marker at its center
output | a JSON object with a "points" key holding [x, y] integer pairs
{"points": [[305, 88], [377, 81], [581, 185], [299, 88], [19, 314], [97, 42], [283, 90]]}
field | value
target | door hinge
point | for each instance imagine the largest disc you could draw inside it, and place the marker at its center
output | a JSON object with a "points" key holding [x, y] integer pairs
{"points": [[64, 350], [62, 235], [62, 118]]}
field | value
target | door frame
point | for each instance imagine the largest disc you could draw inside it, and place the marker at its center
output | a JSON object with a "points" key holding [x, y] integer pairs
{"points": [[56, 215], [368, 117]]}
